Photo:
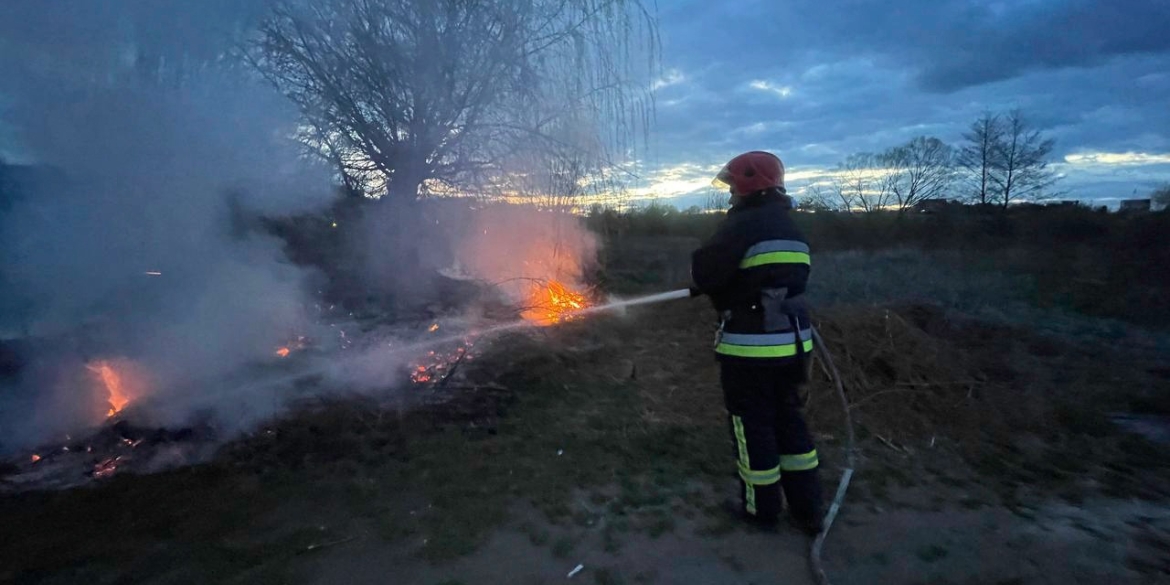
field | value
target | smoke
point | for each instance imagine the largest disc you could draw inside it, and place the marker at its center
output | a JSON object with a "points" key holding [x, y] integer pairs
{"points": [[140, 244], [507, 246], [510, 245]]}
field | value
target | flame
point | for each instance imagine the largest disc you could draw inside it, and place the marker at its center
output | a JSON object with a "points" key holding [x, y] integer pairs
{"points": [[552, 303], [112, 379], [438, 365], [301, 342], [106, 468], [36, 458], [433, 328]]}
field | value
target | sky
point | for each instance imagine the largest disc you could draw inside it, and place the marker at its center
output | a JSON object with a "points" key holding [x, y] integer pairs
{"points": [[810, 81], [816, 81]]}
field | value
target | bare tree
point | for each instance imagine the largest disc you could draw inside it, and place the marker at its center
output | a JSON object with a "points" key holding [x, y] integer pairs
{"points": [[819, 197], [715, 201], [862, 182], [415, 96], [977, 159], [919, 170], [1021, 169]]}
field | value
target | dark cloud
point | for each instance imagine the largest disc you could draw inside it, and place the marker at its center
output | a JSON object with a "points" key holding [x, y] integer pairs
{"points": [[953, 44], [862, 74], [1046, 35], [852, 76]]}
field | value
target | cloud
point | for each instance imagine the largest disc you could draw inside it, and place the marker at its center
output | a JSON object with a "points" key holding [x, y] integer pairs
{"points": [[669, 78], [677, 180], [759, 128], [1024, 37], [1117, 158], [783, 91], [954, 44], [861, 76]]}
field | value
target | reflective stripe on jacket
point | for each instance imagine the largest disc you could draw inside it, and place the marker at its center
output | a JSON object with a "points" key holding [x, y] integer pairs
{"points": [[756, 249]]}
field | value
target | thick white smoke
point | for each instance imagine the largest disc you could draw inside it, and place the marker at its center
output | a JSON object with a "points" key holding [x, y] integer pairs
{"points": [[139, 244]]}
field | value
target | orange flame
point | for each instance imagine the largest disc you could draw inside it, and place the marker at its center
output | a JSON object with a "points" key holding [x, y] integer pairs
{"points": [[301, 342], [106, 468], [552, 303], [36, 458], [118, 396], [438, 365]]}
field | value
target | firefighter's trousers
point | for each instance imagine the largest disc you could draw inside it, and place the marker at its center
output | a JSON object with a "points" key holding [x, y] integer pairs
{"points": [[773, 448]]}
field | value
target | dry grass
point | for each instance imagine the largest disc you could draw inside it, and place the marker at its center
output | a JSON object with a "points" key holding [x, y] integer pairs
{"points": [[632, 405]]}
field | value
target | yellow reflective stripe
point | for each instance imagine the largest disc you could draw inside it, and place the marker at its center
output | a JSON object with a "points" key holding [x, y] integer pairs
{"points": [[760, 477], [775, 258], [801, 462], [749, 493], [762, 351], [740, 442]]}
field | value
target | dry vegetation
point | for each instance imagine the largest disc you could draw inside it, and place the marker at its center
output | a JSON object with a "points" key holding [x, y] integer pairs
{"points": [[613, 427]]}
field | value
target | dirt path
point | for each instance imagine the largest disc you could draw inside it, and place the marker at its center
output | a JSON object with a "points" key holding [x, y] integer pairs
{"points": [[683, 557], [1106, 541]]}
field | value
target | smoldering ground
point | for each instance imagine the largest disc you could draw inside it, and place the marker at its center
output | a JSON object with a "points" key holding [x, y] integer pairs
{"points": [[138, 247], [142, 247]]}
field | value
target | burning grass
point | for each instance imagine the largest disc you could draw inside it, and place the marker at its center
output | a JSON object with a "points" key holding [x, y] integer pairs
{"points": [[628, 409], [122, 381], [440, 364], [551, 302]]}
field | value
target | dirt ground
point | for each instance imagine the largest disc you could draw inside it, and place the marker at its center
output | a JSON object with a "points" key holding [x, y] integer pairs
{"points": [[602, 444], [1096, 543]]}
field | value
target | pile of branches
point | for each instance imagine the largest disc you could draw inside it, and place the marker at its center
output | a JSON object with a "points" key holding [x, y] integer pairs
{"points": [[903, 380]]}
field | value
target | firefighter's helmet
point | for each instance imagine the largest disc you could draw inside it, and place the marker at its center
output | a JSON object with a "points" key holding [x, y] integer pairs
{"points": [[751, 172]]}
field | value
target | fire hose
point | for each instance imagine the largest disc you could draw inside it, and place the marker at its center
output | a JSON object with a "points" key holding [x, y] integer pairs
{"points": [[814, 554]]}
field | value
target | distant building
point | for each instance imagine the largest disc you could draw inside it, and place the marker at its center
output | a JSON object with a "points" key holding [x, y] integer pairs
{"points": [[1134, 205], [1064, 203], [935, 205]]}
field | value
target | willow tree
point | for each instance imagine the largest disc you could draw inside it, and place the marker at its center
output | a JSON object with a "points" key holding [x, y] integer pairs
{"points": [[415, 97]]}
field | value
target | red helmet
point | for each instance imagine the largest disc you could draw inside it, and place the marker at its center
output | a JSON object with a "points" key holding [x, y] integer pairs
{"points": [[751, 172]]}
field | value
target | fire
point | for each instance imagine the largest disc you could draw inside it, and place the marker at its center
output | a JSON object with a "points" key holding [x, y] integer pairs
{"points": [[106, 468], [36, 458], [119, 397], [301, 342], [552, 302], [437, 366]]}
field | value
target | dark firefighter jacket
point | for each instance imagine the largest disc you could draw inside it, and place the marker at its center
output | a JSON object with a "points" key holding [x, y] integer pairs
{"points": [[755, 269]]}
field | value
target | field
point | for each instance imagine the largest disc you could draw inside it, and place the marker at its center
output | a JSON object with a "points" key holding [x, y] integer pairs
{"points": [[995, 406]]}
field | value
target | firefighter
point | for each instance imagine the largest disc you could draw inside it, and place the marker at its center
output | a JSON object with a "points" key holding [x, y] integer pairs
{"points": [[755, 269]]}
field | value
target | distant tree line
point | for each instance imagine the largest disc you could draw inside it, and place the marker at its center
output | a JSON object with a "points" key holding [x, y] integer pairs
{"points": [[1161, 196], [1003, 160]]}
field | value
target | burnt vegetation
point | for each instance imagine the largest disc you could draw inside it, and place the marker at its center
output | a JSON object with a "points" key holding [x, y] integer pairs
{"points": [[992, 353], [980, 383]]}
